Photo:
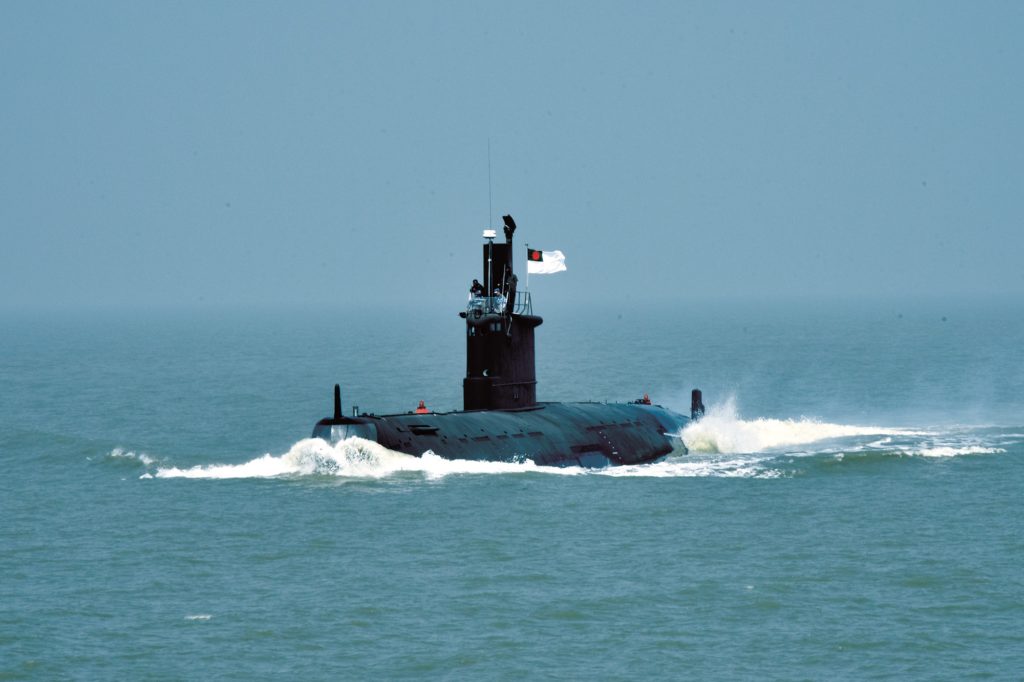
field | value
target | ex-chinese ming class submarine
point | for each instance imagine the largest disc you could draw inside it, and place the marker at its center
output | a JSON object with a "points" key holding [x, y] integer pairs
{"points": [[501, 419]]}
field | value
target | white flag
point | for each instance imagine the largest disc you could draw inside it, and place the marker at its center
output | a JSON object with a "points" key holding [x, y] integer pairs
{"points": [[544, 262]]}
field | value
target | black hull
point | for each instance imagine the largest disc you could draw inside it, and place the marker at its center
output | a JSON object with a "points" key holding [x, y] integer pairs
{"points": [[550, 434]]}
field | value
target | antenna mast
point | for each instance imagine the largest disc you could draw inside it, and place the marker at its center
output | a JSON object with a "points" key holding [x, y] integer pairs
{"points": [[490, 211]]}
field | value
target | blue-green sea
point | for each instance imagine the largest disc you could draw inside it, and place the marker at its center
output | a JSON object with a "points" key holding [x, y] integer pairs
{"points": [[851, 507]]}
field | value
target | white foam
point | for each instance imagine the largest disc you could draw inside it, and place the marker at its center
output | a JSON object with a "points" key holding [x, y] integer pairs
{"points": [[199, 616], [121, 453], [722, 431], [950, 451], [721, 444], [703, 467], [360, 458], [354, 458]]}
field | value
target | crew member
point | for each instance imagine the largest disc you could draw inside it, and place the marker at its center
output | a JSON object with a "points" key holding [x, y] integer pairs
{"points": [[477, 289], [510, 304]]}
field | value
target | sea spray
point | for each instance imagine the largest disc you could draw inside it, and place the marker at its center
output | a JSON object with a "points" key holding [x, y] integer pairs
{"points": [[354, 458], [130, 456], [722, 431], [722, 444]]}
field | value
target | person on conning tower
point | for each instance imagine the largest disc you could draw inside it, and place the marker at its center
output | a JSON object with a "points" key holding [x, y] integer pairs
{"points": [[510, 227], [510, 301]]}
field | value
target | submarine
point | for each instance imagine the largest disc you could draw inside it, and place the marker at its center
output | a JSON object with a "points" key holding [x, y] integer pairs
{"points": [[501, 419]]}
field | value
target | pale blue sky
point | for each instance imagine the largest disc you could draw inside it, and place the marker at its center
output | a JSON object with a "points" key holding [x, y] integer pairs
{"points": [[308, 153]]}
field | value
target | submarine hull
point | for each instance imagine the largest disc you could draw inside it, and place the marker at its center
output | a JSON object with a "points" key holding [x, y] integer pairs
{"points": [[549, 434]]}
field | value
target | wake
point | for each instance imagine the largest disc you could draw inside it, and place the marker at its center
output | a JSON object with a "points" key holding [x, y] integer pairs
{"points": [[351, 458], [722, 444], [722, 431]]}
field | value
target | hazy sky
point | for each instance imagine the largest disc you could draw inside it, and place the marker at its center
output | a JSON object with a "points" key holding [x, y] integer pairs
{"points": [[246, 153]]}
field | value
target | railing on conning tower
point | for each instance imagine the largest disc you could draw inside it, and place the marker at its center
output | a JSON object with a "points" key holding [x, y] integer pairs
{"points": [[497, 304], [524, 304]]}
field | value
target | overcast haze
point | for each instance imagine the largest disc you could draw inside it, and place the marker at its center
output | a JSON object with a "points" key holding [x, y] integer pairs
{"points": [[249, 153]]}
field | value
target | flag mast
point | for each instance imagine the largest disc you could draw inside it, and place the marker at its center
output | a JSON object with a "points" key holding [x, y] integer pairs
{"points": [[527, 266]]}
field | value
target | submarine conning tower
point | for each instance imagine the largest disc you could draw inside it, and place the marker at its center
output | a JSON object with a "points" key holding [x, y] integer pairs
{"points": [[500, 360]]}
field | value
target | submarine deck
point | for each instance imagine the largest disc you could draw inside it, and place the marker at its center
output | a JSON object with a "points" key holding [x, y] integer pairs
{"points": [[559, 434]]}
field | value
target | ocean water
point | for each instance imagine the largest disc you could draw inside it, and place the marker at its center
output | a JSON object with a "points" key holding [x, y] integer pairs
{"points": [[850, 508]]}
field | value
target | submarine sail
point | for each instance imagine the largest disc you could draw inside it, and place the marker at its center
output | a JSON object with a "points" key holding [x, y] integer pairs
{"points": [[501, 419]]}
